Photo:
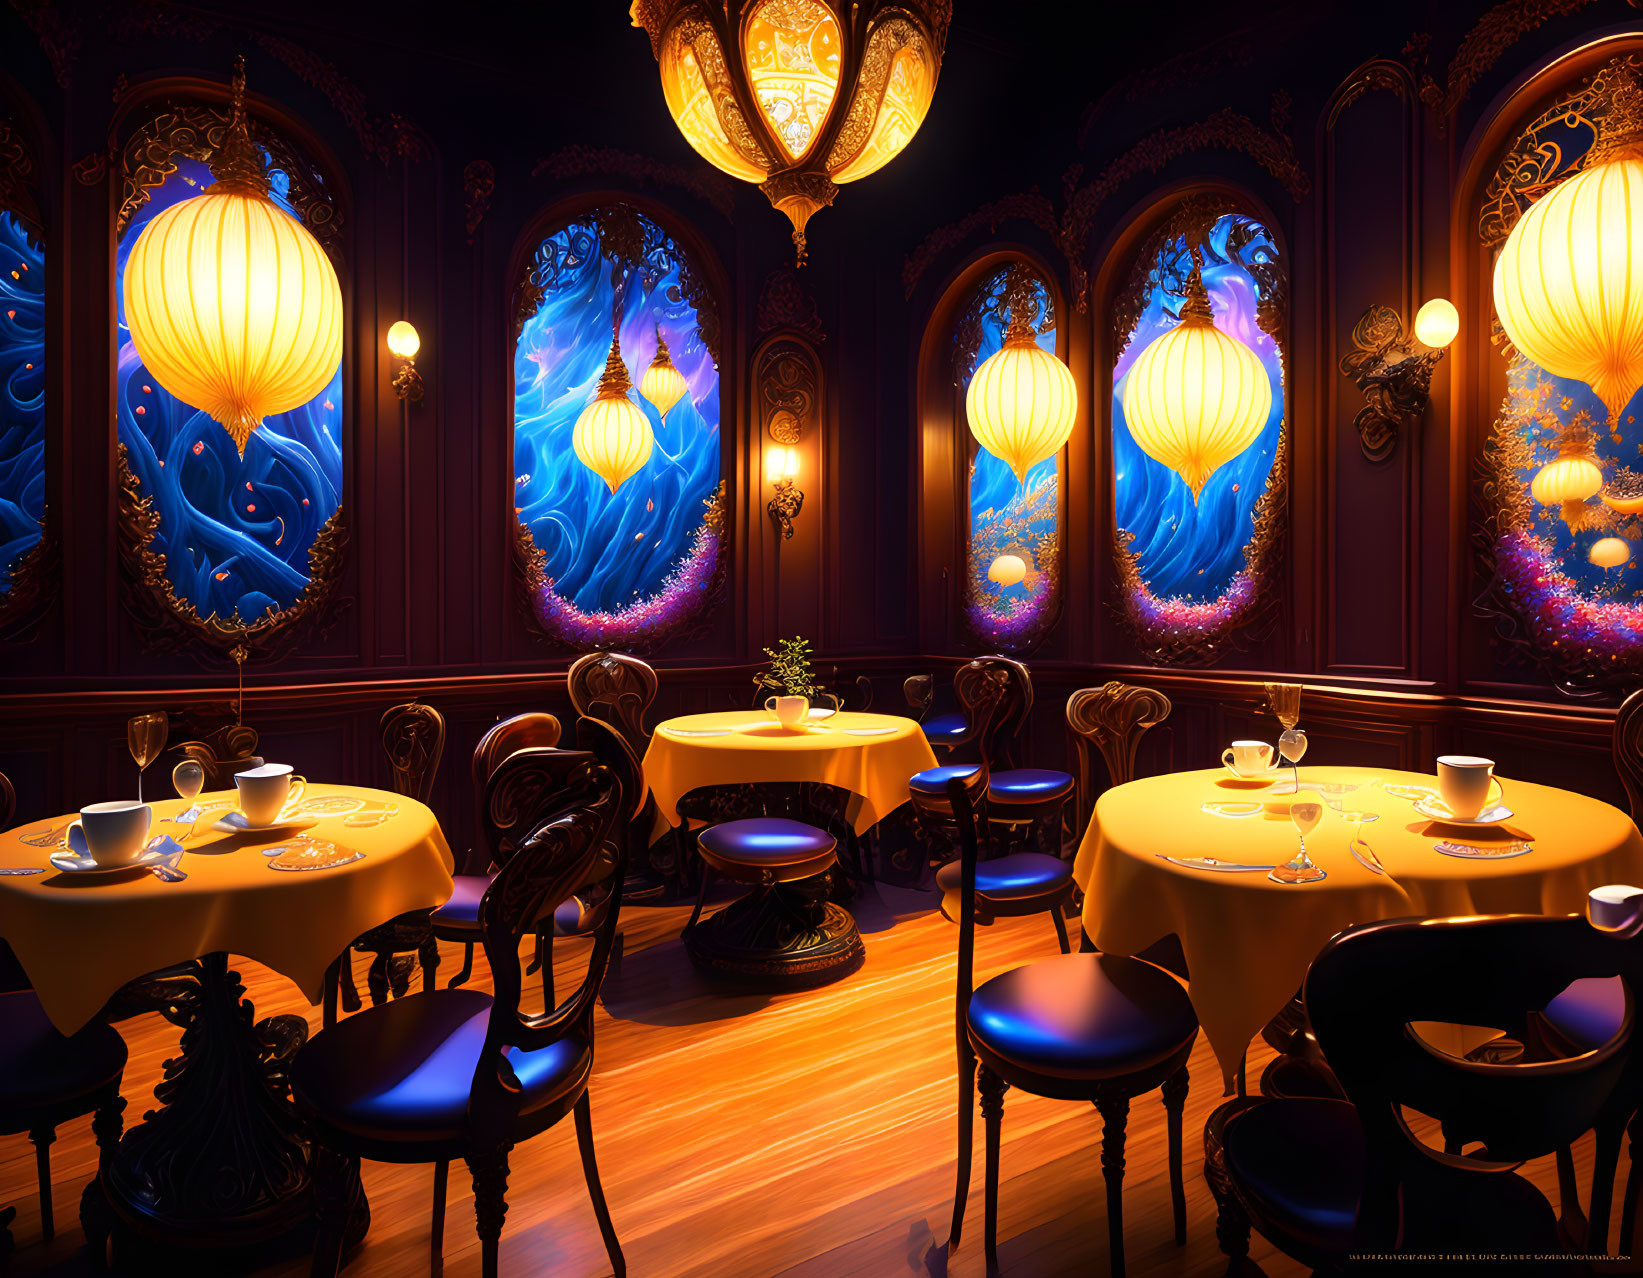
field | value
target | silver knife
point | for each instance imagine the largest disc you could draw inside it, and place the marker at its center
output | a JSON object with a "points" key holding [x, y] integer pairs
{"points": [[1210, 863]]}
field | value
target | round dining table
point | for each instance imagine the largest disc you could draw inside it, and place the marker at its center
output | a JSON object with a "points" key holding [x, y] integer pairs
{"points": [[1168, 854], [222, 1162], [785, 934]]}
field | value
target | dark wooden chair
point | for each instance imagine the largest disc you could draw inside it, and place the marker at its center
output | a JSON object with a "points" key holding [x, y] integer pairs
{"points": [[624, 684], [457, 920], [919, 692], [413, 739], [1098, 1028], [1007, 886], [222, 753], [1325, 1179], [8, 802], [461, 1074], [47, 1079], [1109, 722]]}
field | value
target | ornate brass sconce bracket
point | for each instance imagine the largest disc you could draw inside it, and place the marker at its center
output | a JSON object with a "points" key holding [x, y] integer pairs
{"points": [[408, 382], [1394, 372], [784, 507]]}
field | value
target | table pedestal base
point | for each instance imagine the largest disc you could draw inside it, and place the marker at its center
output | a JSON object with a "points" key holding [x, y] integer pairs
{"points": [[779, 936], [223, 1164]]}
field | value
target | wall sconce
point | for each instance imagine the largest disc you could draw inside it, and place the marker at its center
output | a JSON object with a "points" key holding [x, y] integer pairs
{"points": [[403, 344], [781, 468], [1394, 370]]}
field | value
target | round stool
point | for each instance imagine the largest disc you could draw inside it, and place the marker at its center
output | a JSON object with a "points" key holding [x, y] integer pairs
{"points": [[784, 933]]}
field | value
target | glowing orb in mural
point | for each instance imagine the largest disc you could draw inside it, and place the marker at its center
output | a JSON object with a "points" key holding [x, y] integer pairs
{"points": [[662, 384], [1022, 402], [1008, 570], [1609, 552]]}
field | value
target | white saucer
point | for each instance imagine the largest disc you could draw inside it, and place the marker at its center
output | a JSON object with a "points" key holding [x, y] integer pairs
{"points": [[1264, 778], [237, 823], [820, 712], [73, 863], [1435, 809]]}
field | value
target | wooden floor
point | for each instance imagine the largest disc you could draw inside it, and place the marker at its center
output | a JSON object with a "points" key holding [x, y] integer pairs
{"points": [[742, 1136]]}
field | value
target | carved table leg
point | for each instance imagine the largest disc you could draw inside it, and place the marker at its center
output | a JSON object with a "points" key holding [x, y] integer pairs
{"points": [[783, 934], [223, 1162]]}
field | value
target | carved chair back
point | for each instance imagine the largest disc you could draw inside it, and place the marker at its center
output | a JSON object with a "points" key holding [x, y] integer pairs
{"points": [[222, 753], [413, 738], [1628, 750], [558, 849], [1368, 983], [522, 790], [536, 730], [626, 684], [8, 802], [995, 695], [919, 691], [1110, 721]]}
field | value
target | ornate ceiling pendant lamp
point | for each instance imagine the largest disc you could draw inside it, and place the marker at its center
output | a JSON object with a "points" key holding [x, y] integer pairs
{"points": [[232, 305], [1196, 397], [662, 384], [1569, 280], [799, 96]]}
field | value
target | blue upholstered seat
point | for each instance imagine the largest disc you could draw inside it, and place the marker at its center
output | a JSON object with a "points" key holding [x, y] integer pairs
{"points": [[40, 1068], [945, 729], [1589, 1012], [461, 911], [404, 1071], [1081, 1016], [1019, 876], [1028, 785], [933, 781], [767, 845]]}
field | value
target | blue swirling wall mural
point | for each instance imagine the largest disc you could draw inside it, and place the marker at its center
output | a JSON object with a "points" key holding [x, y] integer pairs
{"points": [[22, 394], [1007, 516], [1189, 578], [623, 569], [235, 532]]}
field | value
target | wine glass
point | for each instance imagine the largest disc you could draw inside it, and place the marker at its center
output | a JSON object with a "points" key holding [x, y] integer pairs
{"points": [[145, 735], [1301, 868], [189, 779], [1284, 700]]}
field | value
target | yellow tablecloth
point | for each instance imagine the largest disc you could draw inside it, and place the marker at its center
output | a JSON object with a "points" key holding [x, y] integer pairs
{"points": [[1248, 941], [758, 749], [81, 937]]}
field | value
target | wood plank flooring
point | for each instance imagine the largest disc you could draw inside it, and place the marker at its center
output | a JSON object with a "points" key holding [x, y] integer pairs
{"points": [[804, 1135]]}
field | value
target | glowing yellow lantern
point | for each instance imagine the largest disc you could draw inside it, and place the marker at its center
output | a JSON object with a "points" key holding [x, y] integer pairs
{"points": [[1008, 570], [232, 305], [1567, 481], [662, 384], [1196, 397], [1610, 552], [1569, 280], [612, 438], [799, 96], [1022, 401], [1437, 323]]}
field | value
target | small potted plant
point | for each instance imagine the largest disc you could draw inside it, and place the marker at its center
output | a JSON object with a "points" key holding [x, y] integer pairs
{"points": [[790, 681]]}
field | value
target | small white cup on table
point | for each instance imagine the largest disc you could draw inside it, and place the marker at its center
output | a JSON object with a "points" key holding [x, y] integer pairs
{"points": [[111, 834], [266, 791], [1248, 758], [1463, 784]]}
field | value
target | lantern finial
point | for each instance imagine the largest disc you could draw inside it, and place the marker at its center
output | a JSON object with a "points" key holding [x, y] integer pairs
{"points": [[614, 382], [1196, 309], [236, 165]]}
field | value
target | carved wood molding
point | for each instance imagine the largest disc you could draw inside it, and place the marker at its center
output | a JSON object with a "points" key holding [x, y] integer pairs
{"points": [[57, 28], [784, 302], [1273, 149], [478, 185], [583, 161]]}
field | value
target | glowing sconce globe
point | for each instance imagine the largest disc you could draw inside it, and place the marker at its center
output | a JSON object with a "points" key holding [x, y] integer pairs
{"points": [[1610, 552], [1437, 323], [1568, 282], [1196, 397], [662, 384], [1022, 402], [1008, 570], [232, 305], [799, 96], [612, 438], [403, 340]]}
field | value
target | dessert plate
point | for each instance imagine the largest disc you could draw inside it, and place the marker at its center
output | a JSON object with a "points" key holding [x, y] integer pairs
{"points": [[237, 823], [74, 863], [1435, 809]]}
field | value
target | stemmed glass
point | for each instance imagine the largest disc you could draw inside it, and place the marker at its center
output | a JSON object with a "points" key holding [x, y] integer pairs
{"points": [[1284, 700], [189, 779], [145, 736], [1301, 868]]}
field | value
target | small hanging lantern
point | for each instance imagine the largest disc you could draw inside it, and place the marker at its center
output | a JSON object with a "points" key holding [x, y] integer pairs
{"points": [[1573, 477], [1610, 552], [662, 384], [1196, 397], [612, 437]]}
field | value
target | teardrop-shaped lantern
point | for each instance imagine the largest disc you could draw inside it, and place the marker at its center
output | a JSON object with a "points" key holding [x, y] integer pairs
{"points": [[1022, 401], [662, 384], [612, 438], [232, 305], [1569, 280], [1610, 552], [1567, 481], [1196, 397]]}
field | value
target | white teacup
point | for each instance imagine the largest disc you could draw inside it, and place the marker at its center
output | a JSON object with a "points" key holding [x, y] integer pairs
{"points": [[265, 791], [789, 711], [1463, 783], [111, 834], [1247, 758]]}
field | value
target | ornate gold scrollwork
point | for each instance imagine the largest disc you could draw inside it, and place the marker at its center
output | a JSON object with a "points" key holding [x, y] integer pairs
{"points": [[788, 378], [1395, 378]]}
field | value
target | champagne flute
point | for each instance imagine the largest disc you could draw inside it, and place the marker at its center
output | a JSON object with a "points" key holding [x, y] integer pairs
{"points": [[1301, 868], [189, 779], [145, 736]]}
